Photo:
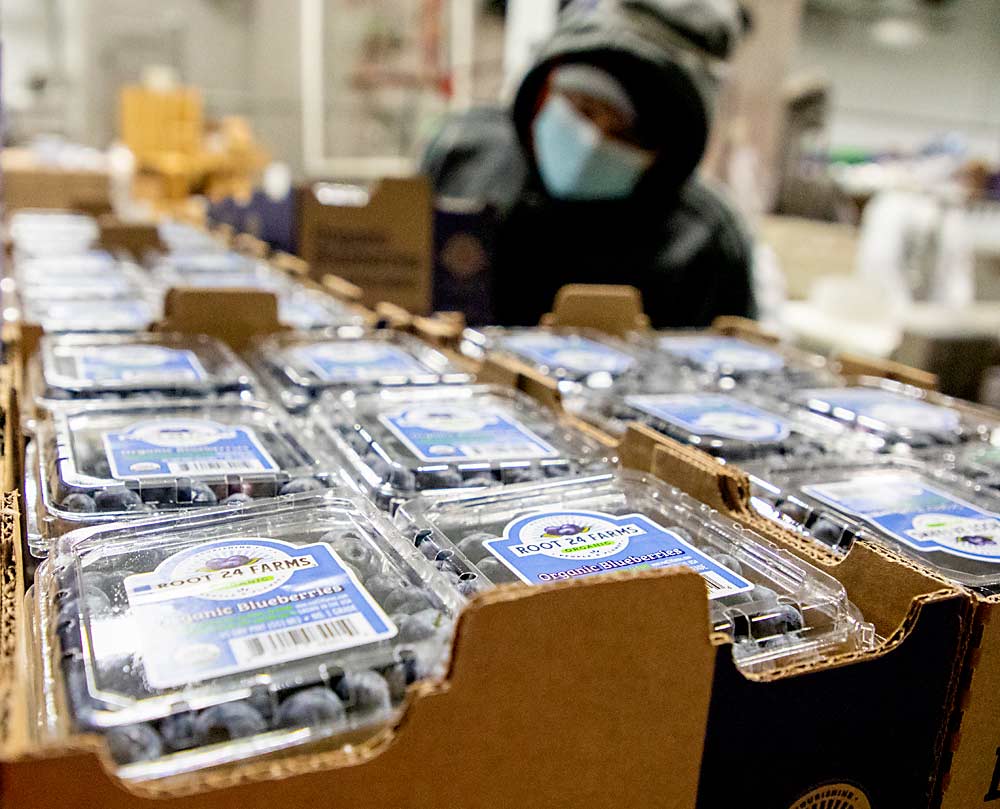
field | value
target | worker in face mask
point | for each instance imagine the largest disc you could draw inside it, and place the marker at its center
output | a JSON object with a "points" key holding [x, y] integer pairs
{"points": [[591, 171]]}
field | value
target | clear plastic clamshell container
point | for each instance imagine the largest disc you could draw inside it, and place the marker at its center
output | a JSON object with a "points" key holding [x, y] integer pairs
{"points": [[95, 275], [301, 367], [734, 427], [408, 441], [308, 310], [148, 366], [123, 460], [248, 274], [899, 414], [776, 608], [575, 357], [722, 357], [979, 463], [211, 259], [922, 511], [223, 634], [44, 232], [180, 237], [91, 315]]}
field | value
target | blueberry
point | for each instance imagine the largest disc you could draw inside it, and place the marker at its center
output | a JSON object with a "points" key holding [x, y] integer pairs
{"points": [[519, 474], [237, 499], [400, 675], [231, 720], [402, 478], [203, 495], [134, 743], [408, 600], [796, 512], [355, 551], [440, 479], [300, 485], [483, 479], [736, 599], [357, 442], [763, 595], [119, 500], [313, 706], [556, 470], [728, 561], [777, 620], [381, 587], [788, 642], [364, 692], [472, 546], [79, 503], [827, 531], [95, 600], [494, 570], [101, 468], [178, 731], [419, 626]]}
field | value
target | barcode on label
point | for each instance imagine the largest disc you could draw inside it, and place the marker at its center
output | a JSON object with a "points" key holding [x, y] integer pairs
{"points": [[320, 636], [716, 584], [202, 467]]}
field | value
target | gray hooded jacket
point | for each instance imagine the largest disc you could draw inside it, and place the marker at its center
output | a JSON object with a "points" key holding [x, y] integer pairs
{"points": [[673, 238]]}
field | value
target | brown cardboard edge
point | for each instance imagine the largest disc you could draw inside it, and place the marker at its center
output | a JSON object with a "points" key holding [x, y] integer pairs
{"points": [[745, 329], [502, 636], [11, 594], [615, 309], [855, 365], [971, 765]]}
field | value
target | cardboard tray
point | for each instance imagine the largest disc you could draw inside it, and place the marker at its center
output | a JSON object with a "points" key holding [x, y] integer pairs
{"points": [[530, 714], [869, 729]]}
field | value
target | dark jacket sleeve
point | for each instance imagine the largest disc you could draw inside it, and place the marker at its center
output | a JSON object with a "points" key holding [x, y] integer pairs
{"points": [[705, 265]]}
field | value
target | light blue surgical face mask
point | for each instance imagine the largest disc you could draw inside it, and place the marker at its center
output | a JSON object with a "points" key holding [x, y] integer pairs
{"points": [[577, 161]]}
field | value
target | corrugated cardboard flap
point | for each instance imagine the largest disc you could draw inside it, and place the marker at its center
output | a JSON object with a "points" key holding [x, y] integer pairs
{"points": [[745, 329], [611, 308], [234, 316], [856, 365], [550, 702]]}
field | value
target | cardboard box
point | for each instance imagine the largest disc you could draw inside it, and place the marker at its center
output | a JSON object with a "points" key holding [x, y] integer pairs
{"points": [[971, 771], [379, 239], [866, 730], [512, 724], [30, 184]]}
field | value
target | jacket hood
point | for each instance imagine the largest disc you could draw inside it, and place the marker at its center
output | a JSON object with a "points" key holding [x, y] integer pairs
{"points": [[667, 53]]}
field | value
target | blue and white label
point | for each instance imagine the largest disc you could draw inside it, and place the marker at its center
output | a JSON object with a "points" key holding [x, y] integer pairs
{"points": [[347, 361], [712, 414], [723, 353], [572, 352], [920, 516], [552, 546], [137, 363], [174, 447], [245, 603], [443, 432], [881, 409]]}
